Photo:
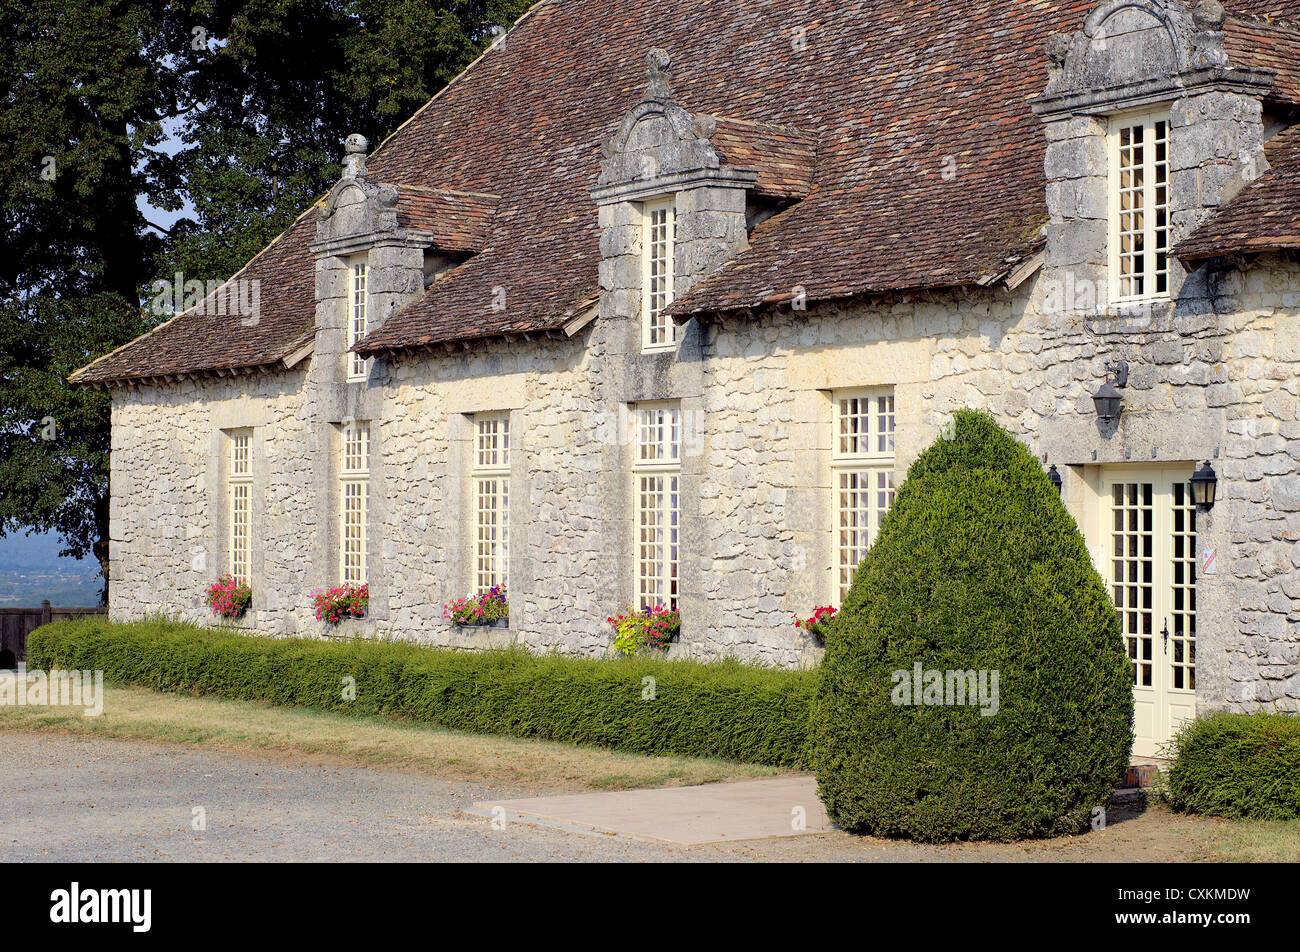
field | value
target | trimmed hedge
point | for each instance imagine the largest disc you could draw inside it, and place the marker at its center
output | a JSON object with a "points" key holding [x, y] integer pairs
{"points": [[718, 709], [978, 567], [1243, 766]]}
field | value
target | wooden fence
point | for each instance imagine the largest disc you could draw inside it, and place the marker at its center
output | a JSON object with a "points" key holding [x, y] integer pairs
{"points": [[17, 623]]}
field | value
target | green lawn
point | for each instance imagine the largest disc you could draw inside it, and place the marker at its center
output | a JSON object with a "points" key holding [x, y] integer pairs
{"points": [[132, 713]]}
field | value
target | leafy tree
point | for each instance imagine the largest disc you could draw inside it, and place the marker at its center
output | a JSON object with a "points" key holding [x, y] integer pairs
{"points": [[229, 111]]}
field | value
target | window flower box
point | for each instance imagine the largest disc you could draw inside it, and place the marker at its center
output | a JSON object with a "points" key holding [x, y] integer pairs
{"points": [[335, 604], [648, 630], [489, 609], [229, 599]]}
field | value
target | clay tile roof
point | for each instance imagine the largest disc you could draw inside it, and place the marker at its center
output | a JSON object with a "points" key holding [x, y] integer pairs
{"points": [[928, 168], [201, 340], [458, 221], [784, 158], [1265, 216], [888, 96], [1268, 45]]}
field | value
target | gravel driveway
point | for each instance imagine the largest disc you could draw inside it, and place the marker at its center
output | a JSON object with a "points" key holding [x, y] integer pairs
{"points": [[66, 798]]}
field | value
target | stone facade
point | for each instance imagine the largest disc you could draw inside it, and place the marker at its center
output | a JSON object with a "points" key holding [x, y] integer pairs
{"points": [[1213, 375]]}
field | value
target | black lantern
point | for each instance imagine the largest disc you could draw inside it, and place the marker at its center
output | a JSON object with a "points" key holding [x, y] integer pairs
{"points": [[1054, 478], [1205, 483], [1107, 400]]}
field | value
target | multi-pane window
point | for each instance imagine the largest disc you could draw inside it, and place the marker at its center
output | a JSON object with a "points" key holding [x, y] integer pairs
{"points": [[1132, 577], [863, 476], [1182, 589], [1139, 227], [657, 467], [658, 331], [241, 513], [491, 476], [354, 490], [358, 301]]}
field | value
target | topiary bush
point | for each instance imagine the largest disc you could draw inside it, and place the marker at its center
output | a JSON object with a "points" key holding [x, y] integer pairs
{"points": [[978, 567], [1244, 766]]}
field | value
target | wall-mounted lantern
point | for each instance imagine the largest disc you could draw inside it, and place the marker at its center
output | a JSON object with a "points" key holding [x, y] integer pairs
{"points": [[1107, 400], [1205, 485], [1054, 477]]}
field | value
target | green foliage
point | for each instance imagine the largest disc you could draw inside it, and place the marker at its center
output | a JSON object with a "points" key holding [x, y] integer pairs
{"points": [[978, 567], [649, 706], [1244, 766]]}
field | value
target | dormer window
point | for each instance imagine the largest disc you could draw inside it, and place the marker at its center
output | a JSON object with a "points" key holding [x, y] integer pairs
{"points": [[1139, 207], [658, 331], [358, 301]]}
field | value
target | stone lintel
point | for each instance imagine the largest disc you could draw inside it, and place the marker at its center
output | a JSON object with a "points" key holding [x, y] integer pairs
{"points": [[726, 177], [356, 244], [1165, 436], [1150, 92]]}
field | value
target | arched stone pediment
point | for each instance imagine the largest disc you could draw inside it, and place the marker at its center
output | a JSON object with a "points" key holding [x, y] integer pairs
{"points": [[657, 137], [357, 206], [1131, 41]]}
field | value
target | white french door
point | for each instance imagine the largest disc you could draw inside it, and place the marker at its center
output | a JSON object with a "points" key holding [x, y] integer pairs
{"points": [[1149, 533]]}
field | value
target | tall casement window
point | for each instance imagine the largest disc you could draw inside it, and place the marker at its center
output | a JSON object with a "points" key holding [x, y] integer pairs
{"points": [[658, 331], [358, 303], [241, 504], [491, 477], [1139, 207], [656, 479], [863, 475], [354, 499]]}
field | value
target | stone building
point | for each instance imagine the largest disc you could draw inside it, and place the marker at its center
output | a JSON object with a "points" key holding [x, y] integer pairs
{"points": [[657, 301]]}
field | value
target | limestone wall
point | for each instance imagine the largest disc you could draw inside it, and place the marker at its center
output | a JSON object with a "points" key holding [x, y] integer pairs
{"points": [[759, 529]]}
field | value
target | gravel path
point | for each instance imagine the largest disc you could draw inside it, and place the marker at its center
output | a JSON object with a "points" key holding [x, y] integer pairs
{"points": [[87, 799], [81, 799]]}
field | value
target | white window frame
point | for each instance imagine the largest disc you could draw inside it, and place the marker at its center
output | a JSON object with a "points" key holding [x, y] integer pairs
{"points": [[354, 502], [1129, 197], [358, 315], [490, 473], [656, 503], [658, 331], [240, 505], [862, 476]]}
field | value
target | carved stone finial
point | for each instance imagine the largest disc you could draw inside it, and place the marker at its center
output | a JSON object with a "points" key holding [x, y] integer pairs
{"points": [[657, 62], [1209, 15], [1058, 47], [354, 155], [1207, 41]]}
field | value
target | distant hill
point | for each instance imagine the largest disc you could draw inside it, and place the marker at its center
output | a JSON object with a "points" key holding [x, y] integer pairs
{"points": [[31, 570]]}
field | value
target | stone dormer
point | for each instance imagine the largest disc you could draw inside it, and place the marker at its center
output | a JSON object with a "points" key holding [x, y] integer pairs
{"points": [[1133, 62], [359, 223], [661, 154]]}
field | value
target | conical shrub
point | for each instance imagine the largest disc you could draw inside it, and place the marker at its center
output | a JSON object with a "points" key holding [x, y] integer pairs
{"points": [[979, 580]]}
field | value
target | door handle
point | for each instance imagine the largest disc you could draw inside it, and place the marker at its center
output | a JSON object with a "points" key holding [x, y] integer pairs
{"points": [[1165, 632]]}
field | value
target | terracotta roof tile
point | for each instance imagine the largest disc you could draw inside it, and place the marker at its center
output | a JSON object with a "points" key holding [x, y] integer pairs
{"points": [[201, 340], [1259, 43], [785, 159], [928, 166], [458, 221]]}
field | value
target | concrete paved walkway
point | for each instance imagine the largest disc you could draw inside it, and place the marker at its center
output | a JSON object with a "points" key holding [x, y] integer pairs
{"points": [[714, 813]]}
